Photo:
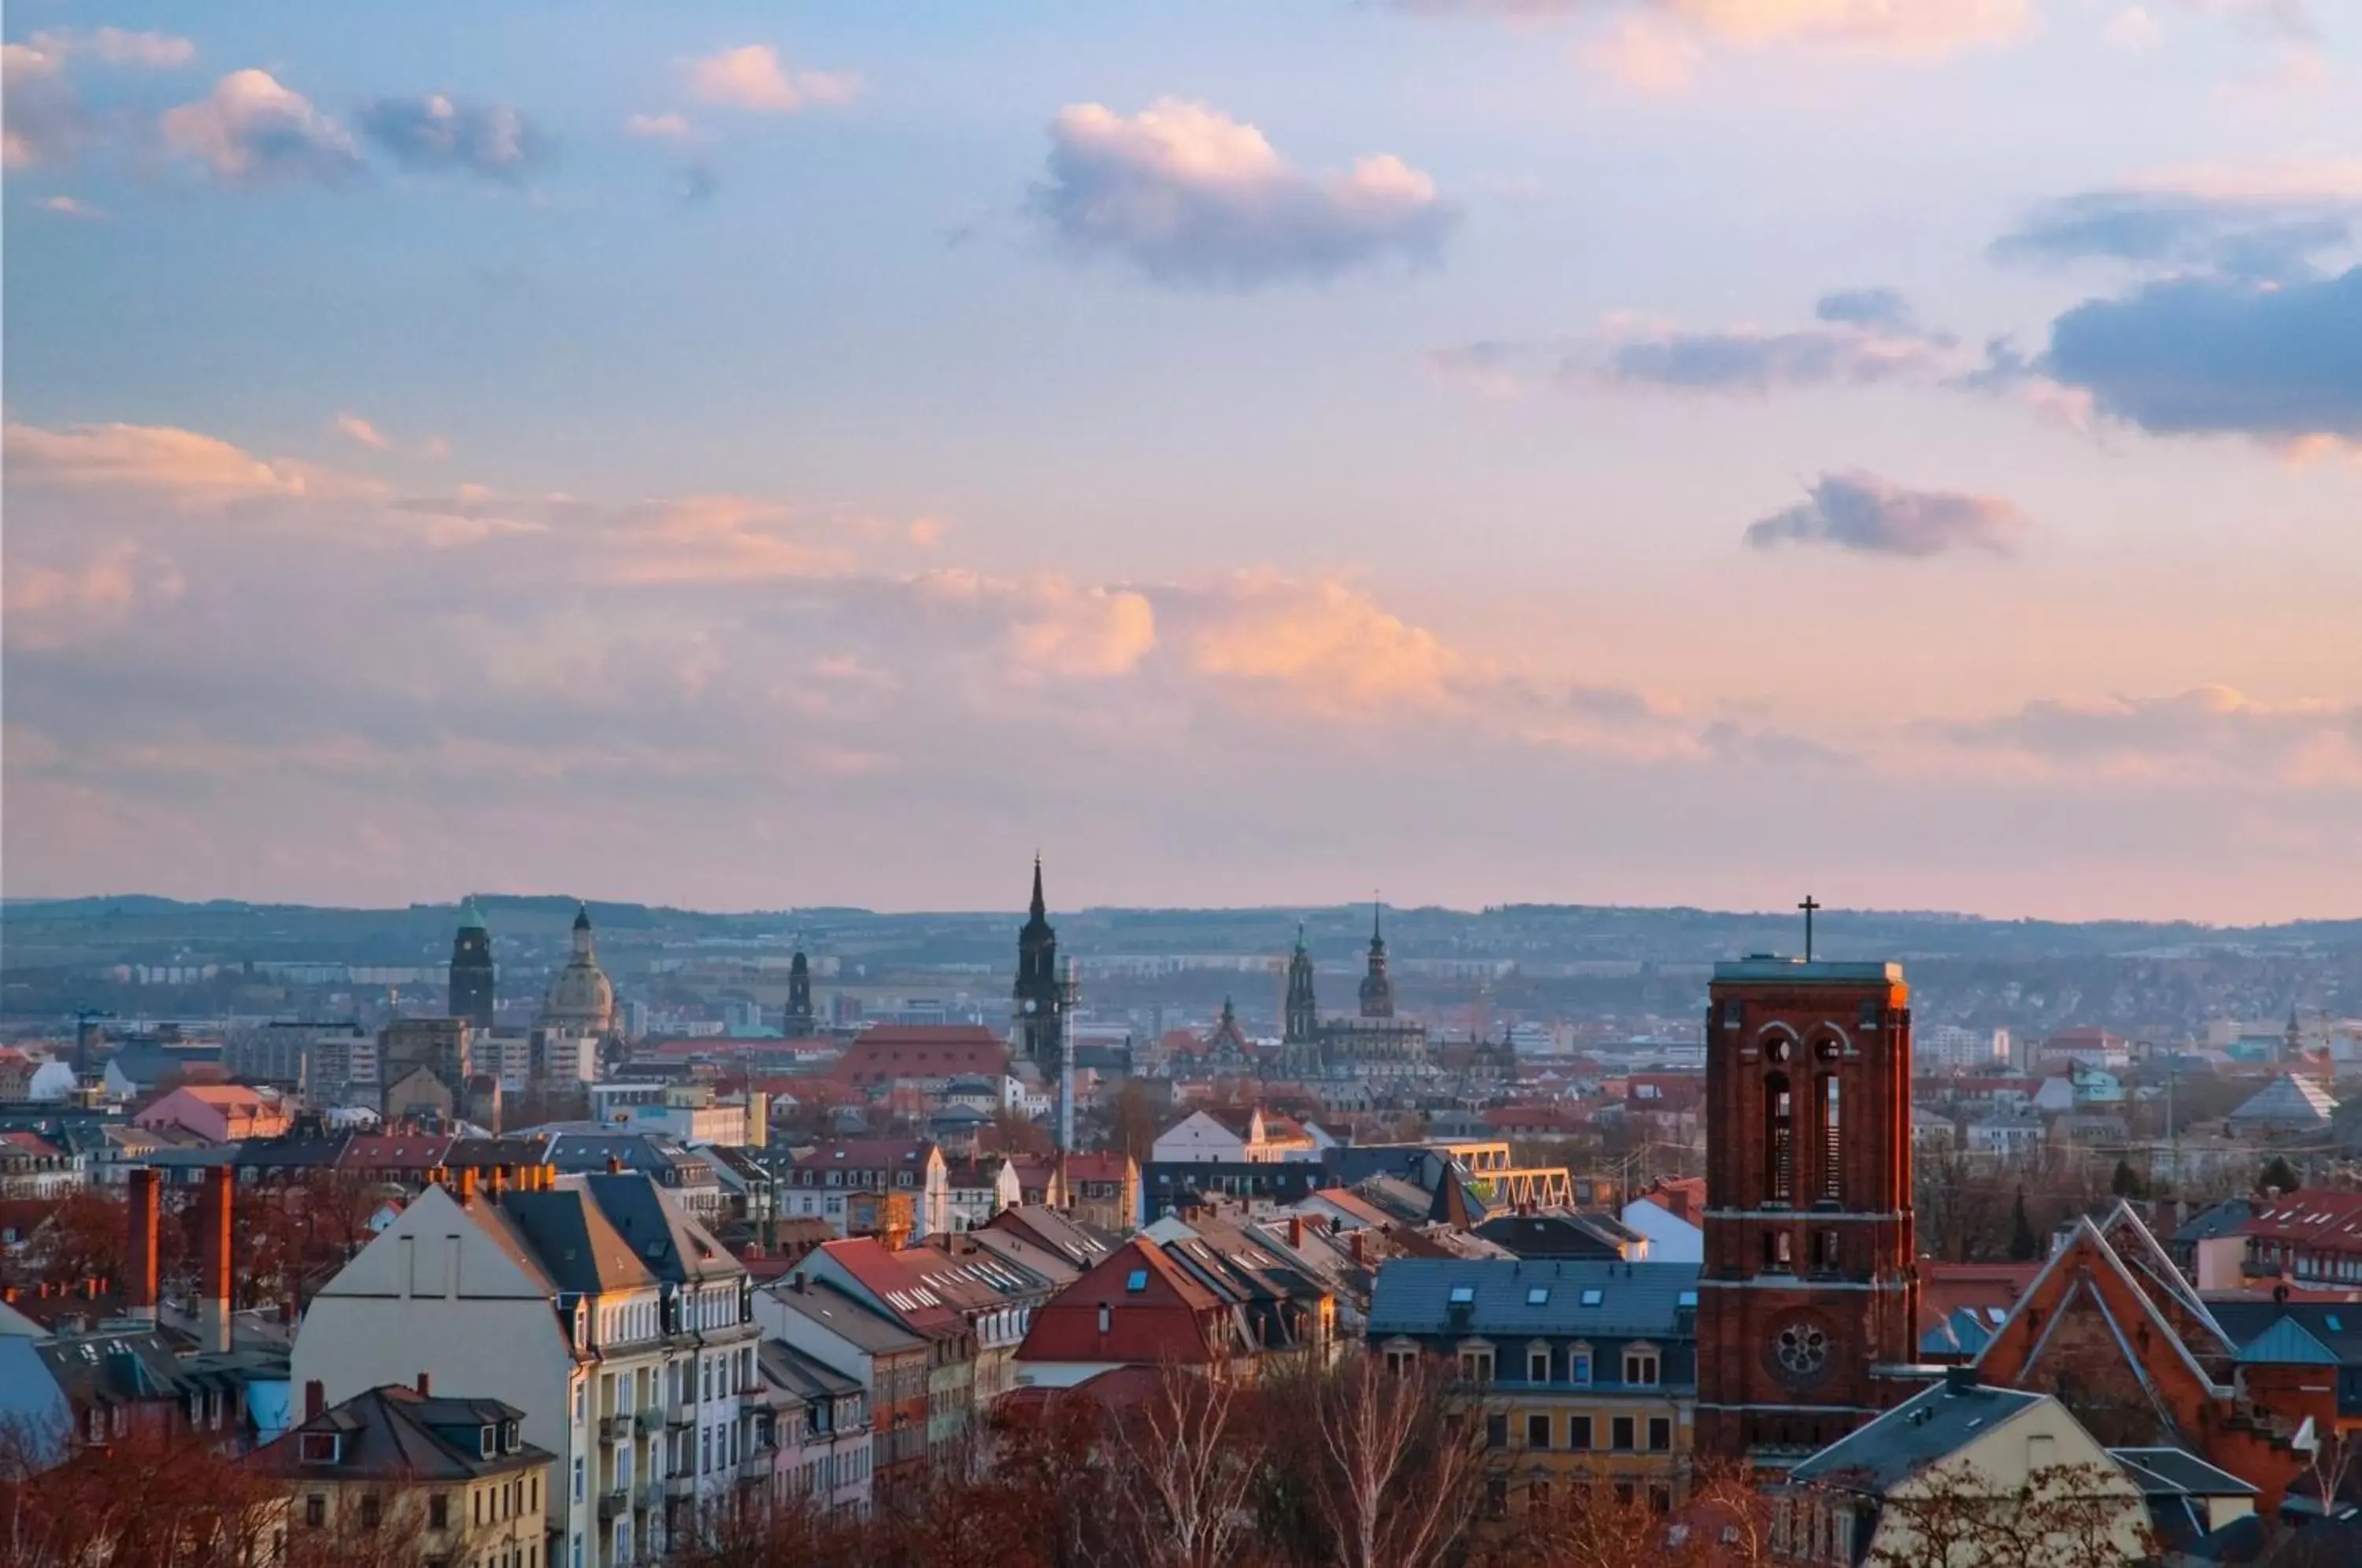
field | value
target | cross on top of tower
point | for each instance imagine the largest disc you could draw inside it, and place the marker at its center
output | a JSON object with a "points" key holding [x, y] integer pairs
{"points": [[1808, 906]]}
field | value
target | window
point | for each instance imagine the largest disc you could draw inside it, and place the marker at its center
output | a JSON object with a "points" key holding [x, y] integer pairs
{"points": [[1640, 1368], [1537, 1296], [1537, 1431], [1496, 1496], [1461, 1295], [1777, 1251], [1730, 1015], [1476, 1366], [1537, 1495], [1824, 1251], [1832, 1148], [577, 1478], [1496, 1431], [1578, 1432], [1591, 1297], [438, 1511], [1578, 1366], [373, 1510], [1136, 1281], [1661, 1499], [1537, 1366], [318, 1448], [1400, 1362], [1620, 1434], [315, 1511], [1661, 1434], [1778, 1143]]}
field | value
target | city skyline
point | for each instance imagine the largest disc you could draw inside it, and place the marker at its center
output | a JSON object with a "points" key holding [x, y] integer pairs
{"points": [[1668, 453]]}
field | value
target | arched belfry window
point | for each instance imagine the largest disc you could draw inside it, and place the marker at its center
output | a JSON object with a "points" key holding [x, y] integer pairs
{"points": [[1832, 1148], [1778, 1140]]}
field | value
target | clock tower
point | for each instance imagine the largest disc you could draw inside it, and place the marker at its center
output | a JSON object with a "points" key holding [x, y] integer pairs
{"points": [[1808, 1298], [1040, 996]]}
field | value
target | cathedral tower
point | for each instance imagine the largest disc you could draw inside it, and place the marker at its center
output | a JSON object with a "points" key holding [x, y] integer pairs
{"points": [[1377, 989], [1808, 1299], [1040, 996], [472, 975], [1303, 1009]]}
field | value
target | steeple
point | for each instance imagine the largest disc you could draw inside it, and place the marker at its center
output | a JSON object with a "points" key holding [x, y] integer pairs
{"points": [[1038, 993], [799, 1017], [1377, 989], [473, 973], [1303, 1024]]}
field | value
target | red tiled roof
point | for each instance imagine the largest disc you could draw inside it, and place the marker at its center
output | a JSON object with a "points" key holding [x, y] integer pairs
{"points": [[32, 1143], [924, 1051], [397, 1150], [899, 1280], [2309, 1219], [1164, 1319], [1945, 1288], [1097, 1165]]}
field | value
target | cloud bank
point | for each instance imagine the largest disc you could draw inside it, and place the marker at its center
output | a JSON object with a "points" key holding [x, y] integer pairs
{"points": [[1862, 513]]}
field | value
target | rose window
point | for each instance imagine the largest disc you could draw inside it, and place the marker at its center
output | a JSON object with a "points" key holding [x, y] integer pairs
{"points": [[1803, 1348]]}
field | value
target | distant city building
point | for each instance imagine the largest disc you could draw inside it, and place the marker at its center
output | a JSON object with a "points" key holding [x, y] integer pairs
{"points": [[1040, 996], [1373, 1044], [797, 1023], [472, 975], [582, 1000], [1950, 1048]]}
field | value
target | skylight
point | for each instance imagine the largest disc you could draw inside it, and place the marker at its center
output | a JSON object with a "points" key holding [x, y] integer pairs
{"points": [[2334, 1327], [1594, 1296], [1686, 1298], [1461, 1295], [1136, 1281], [1537, 1296]]}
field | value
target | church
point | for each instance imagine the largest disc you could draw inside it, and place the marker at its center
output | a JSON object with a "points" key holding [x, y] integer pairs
{"points": [[1372, 1044]]}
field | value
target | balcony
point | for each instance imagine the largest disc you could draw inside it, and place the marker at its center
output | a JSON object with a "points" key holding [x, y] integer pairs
{"points": [[650, 1496], [756, 1468], [613, 1505], [683, 1486], [648, 1419], [615, 1429]]}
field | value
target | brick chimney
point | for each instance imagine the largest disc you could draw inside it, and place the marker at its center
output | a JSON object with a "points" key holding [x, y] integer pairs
{"points": [[467, 1186], [213, 1260], [425, 1386], [147, 1199], [316, 1399]]}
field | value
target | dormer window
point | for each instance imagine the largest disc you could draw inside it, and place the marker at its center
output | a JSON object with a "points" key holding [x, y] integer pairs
{"points": [[319, 1448], [508, 1437], [486, 1438]]}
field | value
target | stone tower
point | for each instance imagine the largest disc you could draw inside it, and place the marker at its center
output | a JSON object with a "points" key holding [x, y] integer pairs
{"points": [[1040, 998], [1377, 987], [1303, 1028], [797, 1023], [472, 975], [1809, 1295]]}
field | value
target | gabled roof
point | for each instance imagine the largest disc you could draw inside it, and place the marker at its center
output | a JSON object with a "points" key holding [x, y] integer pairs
{"points": [[1924, 1431], [569, 1239], [2175, 1471], [896, 1278], [851, 1320], [1154, 1312], [2285, 1343], [801, 1375], [670, 1244], [2287, 1101]]}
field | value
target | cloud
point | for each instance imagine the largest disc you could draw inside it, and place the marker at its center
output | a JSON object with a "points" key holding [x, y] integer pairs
{"points": [[1654, 45], [115, 46], [1194, 198], [1090, 630], [442, 135], [2269, 229], [752, 77], [48, 606], [1863, 340], [2134, 30], [354, 428], [251, 131], [660, 128], [2221, 356], [70, 206], [1860, 512], [194, 472], [2213, 727], [1318, 644], [41, 120]]}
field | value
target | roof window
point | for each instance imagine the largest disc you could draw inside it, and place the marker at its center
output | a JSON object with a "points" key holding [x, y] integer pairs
{"points": [[1136, 1281], [1686, 1298], [1462, 1294], [1593, 1296], [1537, 1296]]}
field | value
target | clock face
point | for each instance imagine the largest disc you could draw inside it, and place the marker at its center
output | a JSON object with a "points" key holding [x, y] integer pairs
{"points": [[1800, 1351], [1028, 1004]]}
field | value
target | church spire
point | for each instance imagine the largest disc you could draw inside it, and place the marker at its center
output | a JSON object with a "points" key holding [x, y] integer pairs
{"points": [[1377, 988], [1039, 909]]}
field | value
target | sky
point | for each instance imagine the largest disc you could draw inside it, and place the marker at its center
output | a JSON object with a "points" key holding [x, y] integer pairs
{"points": [[1595, 451]]}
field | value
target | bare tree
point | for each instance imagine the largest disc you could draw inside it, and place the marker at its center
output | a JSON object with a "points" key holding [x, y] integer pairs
{"points": [[1387, 1465], [1955, 1516], [1184, 1473]]}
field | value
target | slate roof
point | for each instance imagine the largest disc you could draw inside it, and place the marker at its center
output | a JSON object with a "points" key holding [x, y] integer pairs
{"points": [[670, 1243], [1924, 1430], [1560, 1234], [2289, 1101], [1636, 1299], [2305, 1333], [859, 1325], [2177, 1471], [399, 1433], [803, 1375], [571, 1241]]}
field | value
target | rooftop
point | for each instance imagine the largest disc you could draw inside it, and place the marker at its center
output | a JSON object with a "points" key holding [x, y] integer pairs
{"points": [[1924, 1430], [1818, 972]]}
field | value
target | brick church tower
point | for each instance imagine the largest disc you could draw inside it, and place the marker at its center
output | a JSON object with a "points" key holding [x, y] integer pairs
{"points": [[1808, 1301]]}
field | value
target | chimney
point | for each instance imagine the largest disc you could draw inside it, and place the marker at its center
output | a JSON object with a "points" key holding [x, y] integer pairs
{"points": [[614, 1165], [316, 1399], [424, 1388], [213, 1260], [1295, 1233], [467, 1186], [1959, 1379], [146, 1205]]}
